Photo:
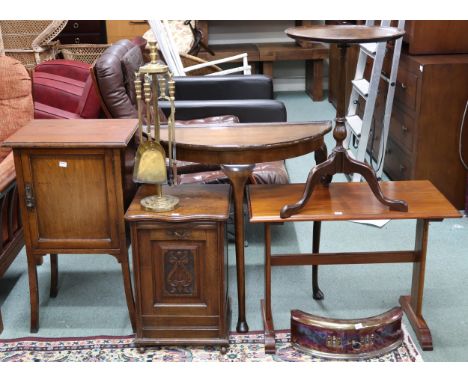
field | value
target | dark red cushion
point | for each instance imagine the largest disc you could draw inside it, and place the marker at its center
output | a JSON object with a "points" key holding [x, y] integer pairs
{"points": [[76, 70], [64, 89], [60, 92], [42, 111], [90, 105]]}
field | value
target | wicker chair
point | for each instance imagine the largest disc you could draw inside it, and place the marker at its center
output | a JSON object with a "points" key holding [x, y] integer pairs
{"points": [[30, 41], [88, 53]]}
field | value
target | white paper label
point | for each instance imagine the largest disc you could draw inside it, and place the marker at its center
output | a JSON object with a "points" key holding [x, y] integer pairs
{"points": [[63, 164], [338, 213], [358, 326]]}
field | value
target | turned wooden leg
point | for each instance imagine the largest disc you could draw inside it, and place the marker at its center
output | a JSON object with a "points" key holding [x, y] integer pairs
{"points": [[53, 275], [238, 175], [267, 316], [316, 292], [128, 286], [412, 305], [33, 292]]}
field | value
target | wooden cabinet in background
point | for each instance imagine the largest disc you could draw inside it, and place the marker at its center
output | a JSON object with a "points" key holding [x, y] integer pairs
{"points": [[125, 29], [436, 36], [83, 32], [430, 97], [180, 267]]}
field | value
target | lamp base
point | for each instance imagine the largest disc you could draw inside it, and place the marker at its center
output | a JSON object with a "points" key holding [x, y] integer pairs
{"points": [[159, 203]]}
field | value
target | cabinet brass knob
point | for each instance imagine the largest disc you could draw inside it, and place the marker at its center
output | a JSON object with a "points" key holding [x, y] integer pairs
{"points": [[76, 25]]}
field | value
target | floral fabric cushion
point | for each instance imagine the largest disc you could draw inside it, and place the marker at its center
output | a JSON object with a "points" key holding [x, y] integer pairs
{"points": [[183, 36], [16, 103]]}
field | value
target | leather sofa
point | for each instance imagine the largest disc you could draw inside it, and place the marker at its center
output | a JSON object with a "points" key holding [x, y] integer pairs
{"points": [[64, 89], [214, 99], [16, 109]]}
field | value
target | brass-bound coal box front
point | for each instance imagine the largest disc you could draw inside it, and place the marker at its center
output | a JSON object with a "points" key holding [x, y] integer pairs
{"points": [[347, 339]]}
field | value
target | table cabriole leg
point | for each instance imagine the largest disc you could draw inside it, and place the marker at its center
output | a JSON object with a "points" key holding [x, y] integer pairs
{"points": [[238, 175]]}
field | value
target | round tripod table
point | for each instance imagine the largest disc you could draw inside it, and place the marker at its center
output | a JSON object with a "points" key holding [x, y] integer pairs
{"points": [[339, 161]]}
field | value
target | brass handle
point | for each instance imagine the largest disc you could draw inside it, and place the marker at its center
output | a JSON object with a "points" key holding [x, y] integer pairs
{"points": [[137, 22], [77, 40], [76, 25], [182, 234], [404, 128], [29, 196]]}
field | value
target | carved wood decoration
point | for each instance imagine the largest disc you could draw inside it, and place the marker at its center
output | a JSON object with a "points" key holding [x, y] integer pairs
{"points": [[179, 274]]}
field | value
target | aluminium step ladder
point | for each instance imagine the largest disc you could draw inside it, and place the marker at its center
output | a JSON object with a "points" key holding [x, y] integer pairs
{"points": [[359, 129]]}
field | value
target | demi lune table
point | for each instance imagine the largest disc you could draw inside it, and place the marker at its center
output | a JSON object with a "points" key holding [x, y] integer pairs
{"points": [[237, 148]]}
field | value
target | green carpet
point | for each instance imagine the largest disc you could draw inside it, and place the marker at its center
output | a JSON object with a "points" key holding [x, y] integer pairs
{"points": [[91, 300]]}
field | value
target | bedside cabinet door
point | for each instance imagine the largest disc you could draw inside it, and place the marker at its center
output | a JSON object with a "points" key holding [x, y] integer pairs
{"points": [[70, 199], [181, 275]]}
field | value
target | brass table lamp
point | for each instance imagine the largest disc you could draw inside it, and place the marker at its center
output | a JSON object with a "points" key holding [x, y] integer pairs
{"points": [[154, 82]]}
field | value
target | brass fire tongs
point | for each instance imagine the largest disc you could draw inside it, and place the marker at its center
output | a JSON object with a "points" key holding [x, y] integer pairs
{"points": [[170, 126]]}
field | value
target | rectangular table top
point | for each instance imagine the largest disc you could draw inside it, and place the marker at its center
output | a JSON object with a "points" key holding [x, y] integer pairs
{"points": [[349, 201], [76, 133]]}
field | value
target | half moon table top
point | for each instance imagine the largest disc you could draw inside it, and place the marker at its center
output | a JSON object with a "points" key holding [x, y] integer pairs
{"points": [[247, 143], [344, 33]]}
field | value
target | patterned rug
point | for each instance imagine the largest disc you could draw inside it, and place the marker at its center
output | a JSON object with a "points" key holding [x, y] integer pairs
{"points": [[243, 348]]}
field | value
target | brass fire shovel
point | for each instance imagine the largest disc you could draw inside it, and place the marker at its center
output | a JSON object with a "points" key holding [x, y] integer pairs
{"points": [[150, 159]]}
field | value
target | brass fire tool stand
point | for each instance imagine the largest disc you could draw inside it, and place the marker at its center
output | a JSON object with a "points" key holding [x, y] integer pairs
{"points": [[155, 81]]}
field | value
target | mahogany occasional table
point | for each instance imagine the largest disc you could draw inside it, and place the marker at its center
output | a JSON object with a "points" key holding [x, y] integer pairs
{"points": [[352, 201], [237, 148], [70, 186], [339, 160]]}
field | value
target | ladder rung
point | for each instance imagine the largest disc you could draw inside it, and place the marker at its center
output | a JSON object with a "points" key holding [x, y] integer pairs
{"points": [[355, 123], [369, 48], [361, 86]]}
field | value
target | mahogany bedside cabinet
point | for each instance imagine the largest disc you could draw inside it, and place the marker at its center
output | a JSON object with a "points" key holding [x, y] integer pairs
{"points": [[70, 183], [180, 267]]}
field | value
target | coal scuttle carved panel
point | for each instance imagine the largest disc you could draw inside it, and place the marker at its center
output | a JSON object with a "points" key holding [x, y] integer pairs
{"points": [[179, 277]]}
